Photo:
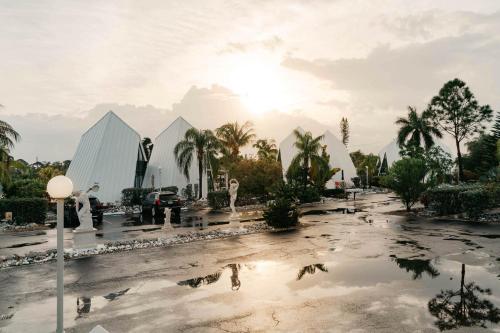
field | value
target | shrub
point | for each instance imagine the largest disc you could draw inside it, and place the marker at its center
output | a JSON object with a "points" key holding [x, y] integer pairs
{"points": [[406, 178], [25, 188], [218, 199], [334, 193], [356, 181], [445, 199], [25, 210], [281, 213], [474, 202], [135, 195], [309, 194], [256, 177]]}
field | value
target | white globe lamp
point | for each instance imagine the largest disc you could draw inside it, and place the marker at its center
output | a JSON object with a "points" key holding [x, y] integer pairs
{"points": [[60, 187]]}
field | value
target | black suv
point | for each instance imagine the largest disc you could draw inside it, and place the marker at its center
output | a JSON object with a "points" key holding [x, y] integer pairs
{"points": [[156, 202], [71, 218]]}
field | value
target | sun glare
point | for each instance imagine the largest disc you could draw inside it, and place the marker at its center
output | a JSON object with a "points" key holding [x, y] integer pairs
{"points": [[259, 81]]}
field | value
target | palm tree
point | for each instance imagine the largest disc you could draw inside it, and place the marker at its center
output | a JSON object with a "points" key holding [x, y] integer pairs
{"points": [[233, 137], [309, 152], [266, 149], [8, 136], [204, 146], [417, 128]]}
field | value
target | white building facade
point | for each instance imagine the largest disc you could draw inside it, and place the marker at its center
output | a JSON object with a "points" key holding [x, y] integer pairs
{"points": [[162, 169], [110, 154]]}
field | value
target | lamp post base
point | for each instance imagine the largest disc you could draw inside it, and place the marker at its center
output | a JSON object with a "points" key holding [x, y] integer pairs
{"points": [[84, 239]]}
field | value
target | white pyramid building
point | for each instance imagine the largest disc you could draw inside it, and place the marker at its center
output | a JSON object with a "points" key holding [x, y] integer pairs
{"points": [[391, 151], [339, 157], [162, 168], [108, 154]]}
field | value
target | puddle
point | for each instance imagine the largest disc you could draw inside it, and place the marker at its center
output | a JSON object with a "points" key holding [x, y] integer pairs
{"points": [[24, 244], [343, 210], [427, 289]]}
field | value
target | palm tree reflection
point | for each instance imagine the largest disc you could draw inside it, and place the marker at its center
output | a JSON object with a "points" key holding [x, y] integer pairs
{"points": [[311, 269], [197, 282], [416, 266], [463, 307], [235, 281]]}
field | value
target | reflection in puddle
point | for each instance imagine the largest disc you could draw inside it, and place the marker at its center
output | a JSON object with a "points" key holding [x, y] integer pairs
{"points": [[82, 306], [212, 278], [463, 307], [197, 282], [416, 266], [311, 269], [113, 296]]}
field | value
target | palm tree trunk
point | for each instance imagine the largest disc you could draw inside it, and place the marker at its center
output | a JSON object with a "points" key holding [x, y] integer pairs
{"points": [[459, 158], [200, 177], [306, 167]]}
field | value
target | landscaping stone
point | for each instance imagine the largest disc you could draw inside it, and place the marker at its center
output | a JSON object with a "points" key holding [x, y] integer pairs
{"points": [[128, 245]]}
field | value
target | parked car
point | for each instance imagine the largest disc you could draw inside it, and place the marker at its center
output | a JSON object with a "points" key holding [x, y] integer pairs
{"points": [[71, 218], [155, 203]]}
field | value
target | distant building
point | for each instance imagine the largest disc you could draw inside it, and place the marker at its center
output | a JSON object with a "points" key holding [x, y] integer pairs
{"points": [[110, 154], [391, 152], [162, 170], [339, 157]]}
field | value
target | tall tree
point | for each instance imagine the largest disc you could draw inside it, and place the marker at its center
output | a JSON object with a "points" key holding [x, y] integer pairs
{"points": [[199, 144], [344, 131], [266, 149], [147, 145], [308, 151], [456, 111], [417, 128], [233, 137]]}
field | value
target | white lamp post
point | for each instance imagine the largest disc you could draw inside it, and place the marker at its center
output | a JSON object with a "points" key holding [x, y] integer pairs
{"points": [[366, 176], [58, 188]]}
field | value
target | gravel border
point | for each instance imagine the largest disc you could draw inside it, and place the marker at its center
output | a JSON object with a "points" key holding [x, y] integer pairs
{"points": [[128, 245]]}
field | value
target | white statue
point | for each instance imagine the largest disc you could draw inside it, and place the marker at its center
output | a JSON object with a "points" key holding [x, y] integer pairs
{"points": [[85, 212], [233, 193]]}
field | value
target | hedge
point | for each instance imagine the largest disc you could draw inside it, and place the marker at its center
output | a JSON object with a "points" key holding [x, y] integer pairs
{"points": [[470, 199], [334, 193], [218, 199], [25, 210], [474, 202], [445, 199], [135, 195]]}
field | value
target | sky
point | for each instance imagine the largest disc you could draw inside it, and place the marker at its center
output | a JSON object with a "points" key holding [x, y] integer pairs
{"points": [[278, 63]]}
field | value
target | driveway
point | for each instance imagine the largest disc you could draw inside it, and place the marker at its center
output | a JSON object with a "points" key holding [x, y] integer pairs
{"points": [[370, 271]]}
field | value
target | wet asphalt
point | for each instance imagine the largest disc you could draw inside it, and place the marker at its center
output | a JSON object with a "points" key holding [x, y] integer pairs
{"points": [[374, 270]]}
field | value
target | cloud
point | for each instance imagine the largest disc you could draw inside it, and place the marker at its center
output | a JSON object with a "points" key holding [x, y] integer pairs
{"points": [[269, 44], [51, 138], [396, 77]]}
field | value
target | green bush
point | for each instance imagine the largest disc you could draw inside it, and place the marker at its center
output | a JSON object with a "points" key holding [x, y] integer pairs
{"points": [[25, 188], [406, 178], [281, 213], [218, 199], [445, 199], [25, 210], [135, 195], [474, 202], [334, 193], [309, 194]]}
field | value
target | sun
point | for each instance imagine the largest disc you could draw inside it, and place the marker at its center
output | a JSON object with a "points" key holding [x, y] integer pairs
{"points": [[259, 81]]}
